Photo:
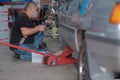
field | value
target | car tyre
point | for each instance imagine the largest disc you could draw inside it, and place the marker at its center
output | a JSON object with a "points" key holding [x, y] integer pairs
{"points": [[83, 68]]}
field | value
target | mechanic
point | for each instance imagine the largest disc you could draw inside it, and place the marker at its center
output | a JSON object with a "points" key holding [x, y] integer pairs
{"points": [[25, 34]]}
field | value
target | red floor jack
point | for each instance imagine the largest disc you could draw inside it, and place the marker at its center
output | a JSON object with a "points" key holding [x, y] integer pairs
{"points": [[61, 57]]}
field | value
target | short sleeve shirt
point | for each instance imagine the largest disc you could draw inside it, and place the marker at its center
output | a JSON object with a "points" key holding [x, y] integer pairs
{"points": [[22, 21]]}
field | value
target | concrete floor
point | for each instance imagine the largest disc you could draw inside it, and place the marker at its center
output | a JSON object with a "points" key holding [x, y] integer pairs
{"points": [[12, 69]]}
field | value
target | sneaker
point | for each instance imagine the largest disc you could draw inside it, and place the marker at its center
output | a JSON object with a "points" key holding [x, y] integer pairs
{"points": [[17, 56]]}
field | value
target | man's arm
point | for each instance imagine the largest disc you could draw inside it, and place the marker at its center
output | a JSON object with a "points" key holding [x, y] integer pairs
{"points": [[29, 31]]}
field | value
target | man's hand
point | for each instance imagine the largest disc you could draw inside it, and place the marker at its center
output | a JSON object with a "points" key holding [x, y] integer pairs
{"points": [[41, 27], [48, 21], [25, 36]]}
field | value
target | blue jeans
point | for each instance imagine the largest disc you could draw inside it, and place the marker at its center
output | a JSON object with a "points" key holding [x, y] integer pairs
{"points": [[38, 38]]}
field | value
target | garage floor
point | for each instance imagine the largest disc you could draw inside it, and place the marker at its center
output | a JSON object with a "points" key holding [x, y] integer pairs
{"points": [[12, 69]]}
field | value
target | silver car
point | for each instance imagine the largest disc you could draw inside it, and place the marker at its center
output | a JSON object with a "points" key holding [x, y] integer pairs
{"points": [[92, 28]]}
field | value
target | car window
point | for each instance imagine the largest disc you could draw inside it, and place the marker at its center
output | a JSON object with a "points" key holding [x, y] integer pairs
{"points": [[62, 7], [73, 6], [103, 7], [79, 6], [68, 7]]}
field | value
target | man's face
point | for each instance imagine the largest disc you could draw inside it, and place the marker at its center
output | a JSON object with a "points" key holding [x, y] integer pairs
{"points": [[34, 12]]}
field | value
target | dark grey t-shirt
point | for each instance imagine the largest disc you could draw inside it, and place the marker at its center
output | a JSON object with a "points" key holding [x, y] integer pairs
{"points": [[22, 21]]}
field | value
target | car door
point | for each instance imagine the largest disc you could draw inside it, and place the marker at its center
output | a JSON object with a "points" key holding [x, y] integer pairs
{"points": [[67, 25]]}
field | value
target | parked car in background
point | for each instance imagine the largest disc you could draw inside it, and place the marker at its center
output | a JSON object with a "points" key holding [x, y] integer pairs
{"points": [[92, 28]]}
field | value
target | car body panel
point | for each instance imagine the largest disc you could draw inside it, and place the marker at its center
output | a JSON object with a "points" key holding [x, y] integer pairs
{"points": [[105, 51], [69, 18], [69, 35]]}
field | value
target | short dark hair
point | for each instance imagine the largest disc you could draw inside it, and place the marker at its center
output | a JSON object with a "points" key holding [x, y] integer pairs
{"points": [[30, 5]]}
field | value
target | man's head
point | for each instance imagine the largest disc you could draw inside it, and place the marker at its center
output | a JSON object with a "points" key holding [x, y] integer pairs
{"points": [[31, 9]]}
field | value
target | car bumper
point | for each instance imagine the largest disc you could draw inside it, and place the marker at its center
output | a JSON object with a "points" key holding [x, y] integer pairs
{"points": [[106, 51]]}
